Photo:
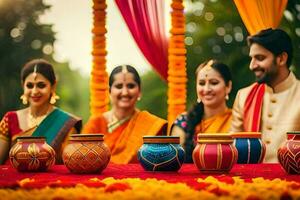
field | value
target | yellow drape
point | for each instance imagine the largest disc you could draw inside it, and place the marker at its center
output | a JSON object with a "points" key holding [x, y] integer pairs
{"points": [[260, 14]]}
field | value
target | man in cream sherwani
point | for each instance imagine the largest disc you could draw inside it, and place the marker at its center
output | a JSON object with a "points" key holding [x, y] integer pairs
{"points": [[272, 104]]}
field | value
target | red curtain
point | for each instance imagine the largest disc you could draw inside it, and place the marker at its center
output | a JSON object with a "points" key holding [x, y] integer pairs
{"points": [[145, 20]]}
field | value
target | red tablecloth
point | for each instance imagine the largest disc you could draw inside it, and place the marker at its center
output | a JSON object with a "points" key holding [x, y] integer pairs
{"points": [[9, 177]]}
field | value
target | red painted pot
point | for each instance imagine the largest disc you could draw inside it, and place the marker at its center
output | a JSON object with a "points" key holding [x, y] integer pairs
{"points": [[86, 153], [31, 154], [214, 153], [289, 153]]}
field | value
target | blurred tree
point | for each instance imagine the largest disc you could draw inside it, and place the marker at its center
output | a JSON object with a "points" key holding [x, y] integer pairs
{"points": [[73, 90], [154, 95], [291, 23], [22, 38], [214, 30]]}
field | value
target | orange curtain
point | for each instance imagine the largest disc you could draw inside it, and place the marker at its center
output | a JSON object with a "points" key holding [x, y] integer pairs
{"points": [[177, 77], [99, 96], [260, 14]]}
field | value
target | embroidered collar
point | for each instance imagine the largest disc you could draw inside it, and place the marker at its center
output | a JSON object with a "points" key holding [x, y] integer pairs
{"points": [[284, 85]]}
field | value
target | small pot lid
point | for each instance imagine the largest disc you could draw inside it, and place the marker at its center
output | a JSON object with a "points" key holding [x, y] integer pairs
{"points": [[31, 138], [246, 135], [161, 139], [214, 138], [293, 133], [86, 137]]}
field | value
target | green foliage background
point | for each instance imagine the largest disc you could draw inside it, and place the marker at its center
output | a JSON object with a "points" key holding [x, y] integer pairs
{"points": [[22, 38], [214, 30]]}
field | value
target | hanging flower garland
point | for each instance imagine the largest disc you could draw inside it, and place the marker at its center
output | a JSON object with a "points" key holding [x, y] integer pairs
{"points": [[177, 77], [99, 97]]}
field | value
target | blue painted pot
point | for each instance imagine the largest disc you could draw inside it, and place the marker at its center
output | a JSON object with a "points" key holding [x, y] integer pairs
{"points": [[161, 153], [250, 147]]}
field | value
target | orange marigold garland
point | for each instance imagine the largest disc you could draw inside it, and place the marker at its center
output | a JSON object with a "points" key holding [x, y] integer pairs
{"points": [[177, 77], [136, 188], [99, 97]]}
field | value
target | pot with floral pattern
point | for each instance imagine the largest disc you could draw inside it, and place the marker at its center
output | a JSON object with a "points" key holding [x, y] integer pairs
{"points": [[250, 147], [161, 153], [214, 153], [86, 153], [289, 153], [31, 154]]}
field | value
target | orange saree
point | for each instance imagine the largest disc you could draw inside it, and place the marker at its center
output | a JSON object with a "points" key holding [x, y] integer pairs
{"points": [[217, 124], [126, 139]]}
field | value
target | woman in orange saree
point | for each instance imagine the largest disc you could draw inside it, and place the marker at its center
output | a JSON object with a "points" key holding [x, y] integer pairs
{"points": [[124, 125], [210, 114]]}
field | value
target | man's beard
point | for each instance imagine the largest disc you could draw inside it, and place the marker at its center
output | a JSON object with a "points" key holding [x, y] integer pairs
{"points": [[268, 76]]}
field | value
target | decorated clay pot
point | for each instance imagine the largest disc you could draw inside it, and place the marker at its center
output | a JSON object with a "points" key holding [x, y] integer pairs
{"points": [[161, 153], [250, 147], [214, 153], [31, 154], [289, 153], [86, 153]]}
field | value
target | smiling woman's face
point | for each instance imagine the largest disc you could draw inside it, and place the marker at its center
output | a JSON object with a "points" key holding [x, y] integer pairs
{"points": [[211, 87], [37, 89], [124, 91]]}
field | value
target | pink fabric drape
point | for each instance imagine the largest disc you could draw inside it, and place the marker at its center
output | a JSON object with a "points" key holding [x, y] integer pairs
{"points": [[145, 20]]}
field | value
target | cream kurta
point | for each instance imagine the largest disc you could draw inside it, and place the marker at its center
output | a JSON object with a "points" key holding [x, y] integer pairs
{"points": [[280, 113]]}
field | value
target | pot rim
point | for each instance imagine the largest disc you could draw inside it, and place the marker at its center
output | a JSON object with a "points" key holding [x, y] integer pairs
{"points": [[214, 138], [161, 139], [31, 138], [293, 133], [246, 134], [86, 137]]}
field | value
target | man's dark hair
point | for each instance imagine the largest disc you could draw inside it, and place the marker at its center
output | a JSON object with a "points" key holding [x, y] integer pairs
{"points": [[275, 40]]}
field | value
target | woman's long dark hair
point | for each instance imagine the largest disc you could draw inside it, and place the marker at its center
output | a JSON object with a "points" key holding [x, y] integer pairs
{"points": [[195, 114]]}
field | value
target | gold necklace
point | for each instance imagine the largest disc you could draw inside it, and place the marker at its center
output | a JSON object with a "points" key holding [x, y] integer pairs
{"points": [[35, 121], [115, 122]]}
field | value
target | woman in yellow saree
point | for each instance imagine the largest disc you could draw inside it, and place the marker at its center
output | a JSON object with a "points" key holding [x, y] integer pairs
{"points": [[41, 117], [124, 125], [210, 114]]}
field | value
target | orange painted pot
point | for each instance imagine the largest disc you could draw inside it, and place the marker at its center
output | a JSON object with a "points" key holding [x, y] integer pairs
{"points": [[86, 153], [31, 154], [289, 153], [214, 153]]}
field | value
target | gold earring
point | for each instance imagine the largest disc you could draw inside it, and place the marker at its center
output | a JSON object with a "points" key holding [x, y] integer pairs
{"points": [[227, 97], [24, 99], [53, 98], [139, 98], [198, 100]]}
